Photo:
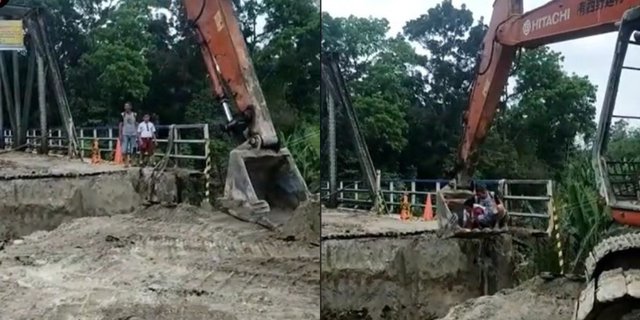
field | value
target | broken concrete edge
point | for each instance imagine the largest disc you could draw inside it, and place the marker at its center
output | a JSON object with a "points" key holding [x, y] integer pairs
{"points": [[413, 277], [389, 234], [43, 202], [36, 175], [120, 192]]}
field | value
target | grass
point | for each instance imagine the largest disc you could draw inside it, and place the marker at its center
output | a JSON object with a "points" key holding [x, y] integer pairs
{"points": [[304, 145]]}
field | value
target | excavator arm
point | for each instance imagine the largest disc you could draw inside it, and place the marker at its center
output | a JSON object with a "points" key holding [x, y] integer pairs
{"points": [[261, 176], [509, 30], [230, 70]]}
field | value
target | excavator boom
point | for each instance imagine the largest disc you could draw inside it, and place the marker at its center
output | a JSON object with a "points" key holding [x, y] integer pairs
{"points": [[263, 184], [613, 267], [509, 30]]}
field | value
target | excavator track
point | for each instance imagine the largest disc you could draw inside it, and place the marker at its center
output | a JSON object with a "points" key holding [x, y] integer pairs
{"points": [[610, 296], [610, 246], [613, 288]]}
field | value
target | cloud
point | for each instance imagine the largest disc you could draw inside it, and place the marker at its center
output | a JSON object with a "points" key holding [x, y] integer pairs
{"points": [[590, 56]]}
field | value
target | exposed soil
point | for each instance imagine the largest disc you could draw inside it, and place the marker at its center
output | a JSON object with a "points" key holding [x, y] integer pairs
{"points": [[79, 244], [414, 277], [533, 300], [159, 263], [304, 224], [428, 277]]}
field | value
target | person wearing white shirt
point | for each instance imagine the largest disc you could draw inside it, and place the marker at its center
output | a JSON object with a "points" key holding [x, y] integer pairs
{"points": [[147, 134]]}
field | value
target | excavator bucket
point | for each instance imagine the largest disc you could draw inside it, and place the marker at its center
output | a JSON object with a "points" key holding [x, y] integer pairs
{"points": [[263, 186], [449, 212]]}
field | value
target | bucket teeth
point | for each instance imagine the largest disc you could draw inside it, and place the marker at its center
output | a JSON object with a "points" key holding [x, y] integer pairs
{"points": [[260, 207]]}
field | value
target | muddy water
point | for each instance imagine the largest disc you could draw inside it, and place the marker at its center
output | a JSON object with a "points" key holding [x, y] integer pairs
{"points": [[417, 277]]}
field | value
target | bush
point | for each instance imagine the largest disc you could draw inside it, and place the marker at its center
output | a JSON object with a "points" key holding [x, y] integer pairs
{"points": [[583, 216]]}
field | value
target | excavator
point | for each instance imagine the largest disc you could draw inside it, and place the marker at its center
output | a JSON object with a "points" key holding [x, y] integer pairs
{"points": [[263, 184], [613, 267]]}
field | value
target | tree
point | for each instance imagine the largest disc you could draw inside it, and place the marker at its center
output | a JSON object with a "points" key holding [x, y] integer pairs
{"points": [[548, 111], [452, 40], [624, 142], [381, 76], [411, 105]]}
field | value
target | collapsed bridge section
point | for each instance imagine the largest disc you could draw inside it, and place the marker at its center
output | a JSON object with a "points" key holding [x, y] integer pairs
{"points": [[382, 268]]}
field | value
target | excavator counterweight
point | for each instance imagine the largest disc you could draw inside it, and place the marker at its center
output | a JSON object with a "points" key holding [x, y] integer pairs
{"points": [[263, 184]]}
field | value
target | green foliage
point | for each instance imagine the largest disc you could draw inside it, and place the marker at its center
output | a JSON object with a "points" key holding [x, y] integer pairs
{"points": [[625, 142], [379, 73], [549, 108], [584, 218], [114, 51], [304, 145], [411, 105]]}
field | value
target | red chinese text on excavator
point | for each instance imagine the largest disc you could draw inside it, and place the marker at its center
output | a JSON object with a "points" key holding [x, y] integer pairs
{"points": [[261, 176], [613, 268]]}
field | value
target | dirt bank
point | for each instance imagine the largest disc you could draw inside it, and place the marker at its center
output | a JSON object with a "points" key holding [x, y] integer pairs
{"points": [[27, 205], [413, 277], [533, 300], [159, 263], [304, 224]]}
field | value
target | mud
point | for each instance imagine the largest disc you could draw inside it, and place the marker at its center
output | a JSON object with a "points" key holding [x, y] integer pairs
{"points": [[415, 277], [533, 300], [100, 252], [304, 224], [158, 263]]}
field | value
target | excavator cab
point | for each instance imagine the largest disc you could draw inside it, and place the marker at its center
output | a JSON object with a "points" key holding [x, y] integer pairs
{"points": [[619, 179], [613, 267]]}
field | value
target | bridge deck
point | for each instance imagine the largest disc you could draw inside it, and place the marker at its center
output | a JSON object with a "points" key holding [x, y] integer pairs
{"points": [[21, 165], [350, 224], [337, 223]]}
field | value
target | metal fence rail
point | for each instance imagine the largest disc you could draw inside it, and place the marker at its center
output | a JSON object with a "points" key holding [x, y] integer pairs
{"points": [[537, 202], [183, 148]]}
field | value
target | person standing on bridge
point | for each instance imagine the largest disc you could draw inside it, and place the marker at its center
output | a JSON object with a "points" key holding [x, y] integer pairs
{"points": [[128, 133], [147, 134]]}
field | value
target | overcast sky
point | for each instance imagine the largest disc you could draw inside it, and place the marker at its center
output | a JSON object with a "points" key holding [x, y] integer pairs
{"points": [[588, 56]]}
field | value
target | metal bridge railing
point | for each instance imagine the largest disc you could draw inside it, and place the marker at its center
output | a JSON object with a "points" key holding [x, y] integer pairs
{"points": [[189, 144], [523, 198]]}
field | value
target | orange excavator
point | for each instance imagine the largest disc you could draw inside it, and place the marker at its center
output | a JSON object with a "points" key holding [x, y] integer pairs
{"points": [[263, 184], [613, 268]]}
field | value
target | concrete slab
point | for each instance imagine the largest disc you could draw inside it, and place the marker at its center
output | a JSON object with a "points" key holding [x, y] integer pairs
{"points": [[340, 222], [21, 164]]}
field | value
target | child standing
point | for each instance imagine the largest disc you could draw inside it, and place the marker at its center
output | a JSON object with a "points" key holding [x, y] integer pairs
{"points": [[147, 134]]}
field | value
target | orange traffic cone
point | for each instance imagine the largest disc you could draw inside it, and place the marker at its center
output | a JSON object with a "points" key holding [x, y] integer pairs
{"points": [[117, 157], [95, 152], [427, 214], [404, 209]]}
